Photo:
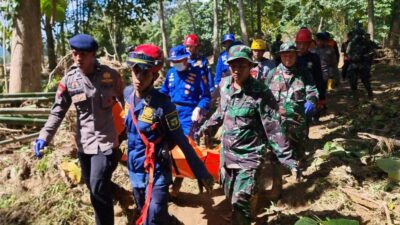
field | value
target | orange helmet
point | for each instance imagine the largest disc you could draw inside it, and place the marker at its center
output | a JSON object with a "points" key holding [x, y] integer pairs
{"points": [[303, 35], [191, 40]]}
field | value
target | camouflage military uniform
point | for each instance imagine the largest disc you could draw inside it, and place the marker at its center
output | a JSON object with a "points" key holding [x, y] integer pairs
{"points": [[359, 52], [250, 122], [262, 69], [291, 93]]}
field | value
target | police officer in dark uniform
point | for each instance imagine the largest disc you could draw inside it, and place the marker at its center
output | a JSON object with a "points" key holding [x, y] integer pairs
{"points": [[93, 89], [153, 129]]}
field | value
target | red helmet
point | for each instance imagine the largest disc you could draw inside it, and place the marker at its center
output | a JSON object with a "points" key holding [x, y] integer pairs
{"points": [[146, 56], [191, 40], [304, 35]]}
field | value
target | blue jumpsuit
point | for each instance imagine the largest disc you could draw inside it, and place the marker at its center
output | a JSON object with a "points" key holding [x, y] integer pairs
{"points": [[202, 63], [156, 117], [187, 89], [222, 69]]}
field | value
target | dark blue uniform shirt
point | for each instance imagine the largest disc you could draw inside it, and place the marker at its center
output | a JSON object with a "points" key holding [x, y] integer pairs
{"points": [[188, 88], [222, 69], [156, 117], [202, 63]]}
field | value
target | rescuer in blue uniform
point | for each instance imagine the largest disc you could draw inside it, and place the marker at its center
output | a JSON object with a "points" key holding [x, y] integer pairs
{"points": [[222, 69], [188, 89], [192, 43], [152, 132]]}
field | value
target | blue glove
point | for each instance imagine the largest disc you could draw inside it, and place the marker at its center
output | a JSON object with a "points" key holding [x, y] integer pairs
{"points": [[309, 108], [39, 145]]}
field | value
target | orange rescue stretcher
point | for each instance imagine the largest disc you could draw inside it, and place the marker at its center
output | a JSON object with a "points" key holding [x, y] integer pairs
{"points": [[210, 157]]}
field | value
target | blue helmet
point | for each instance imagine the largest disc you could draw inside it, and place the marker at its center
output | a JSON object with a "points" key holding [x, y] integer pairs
{"points": [[228, 37], [178, 52]]}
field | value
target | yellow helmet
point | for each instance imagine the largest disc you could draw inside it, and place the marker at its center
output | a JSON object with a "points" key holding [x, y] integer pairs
{"points": [[258, 44]]}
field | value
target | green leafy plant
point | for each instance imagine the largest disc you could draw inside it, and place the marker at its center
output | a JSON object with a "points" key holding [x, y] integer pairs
{"points": [[6, 201], [333, 149], [318, 221], [391, 166]]}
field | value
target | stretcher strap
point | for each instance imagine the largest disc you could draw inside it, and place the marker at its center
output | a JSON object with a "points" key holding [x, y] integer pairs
{"points": [[149, 164]]}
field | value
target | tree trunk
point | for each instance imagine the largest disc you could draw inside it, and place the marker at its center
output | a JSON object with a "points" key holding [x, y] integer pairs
{"points": [[50, 43], [215, 31], [4, 60], [245, 36], [229, 15], [62, 37], [26, 48], [259, 17], [189, 7], [321, 23], [162, 27], [394, 35], [371, 18]]}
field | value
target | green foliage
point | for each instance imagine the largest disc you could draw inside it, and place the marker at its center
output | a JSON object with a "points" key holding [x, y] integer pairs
{"points": [[8, 10], [317, 221], [42, 165], [306, 221], [333, 149], [390, 166], [6, 201], [54, 8]]}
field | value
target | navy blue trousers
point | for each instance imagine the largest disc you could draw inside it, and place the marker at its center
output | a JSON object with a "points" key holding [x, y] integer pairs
{"points": [[158, 209], [97, 171]]}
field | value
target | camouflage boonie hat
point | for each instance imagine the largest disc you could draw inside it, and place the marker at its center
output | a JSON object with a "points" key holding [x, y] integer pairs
{"points": [[289, 46], [239, 52]]}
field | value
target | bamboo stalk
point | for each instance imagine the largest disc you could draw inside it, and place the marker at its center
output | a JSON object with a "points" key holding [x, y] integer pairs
{"points": [[22, 138], [21, 120], [28, 94], [22, 99], [25, 111]]}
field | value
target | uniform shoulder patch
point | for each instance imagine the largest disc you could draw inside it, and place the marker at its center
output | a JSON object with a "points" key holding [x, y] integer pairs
{"points": [[172, 120], [147, 115]]}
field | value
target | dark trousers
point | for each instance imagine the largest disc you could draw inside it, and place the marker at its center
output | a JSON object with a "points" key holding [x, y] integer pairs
{"points": [[344, 69], [364, 74], [97, 171], [158, 209]]}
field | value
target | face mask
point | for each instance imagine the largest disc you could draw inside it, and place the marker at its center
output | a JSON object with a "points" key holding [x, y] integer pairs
{"points": [[179, 66]]}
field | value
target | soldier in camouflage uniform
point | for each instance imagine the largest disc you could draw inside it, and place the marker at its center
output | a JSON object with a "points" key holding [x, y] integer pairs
{"points": [[250, 121], [294, 90], [359, 52]]}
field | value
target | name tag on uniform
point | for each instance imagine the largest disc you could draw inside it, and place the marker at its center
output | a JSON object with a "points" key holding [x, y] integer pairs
{"points": [[79, 98], [147, 115]]}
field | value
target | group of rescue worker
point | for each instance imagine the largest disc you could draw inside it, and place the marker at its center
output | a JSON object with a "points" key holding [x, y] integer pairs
{"points": [[265, 107]]}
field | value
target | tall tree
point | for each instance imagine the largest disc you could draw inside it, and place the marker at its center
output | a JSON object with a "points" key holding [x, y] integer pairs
{"points": [[243, 26], [26, 48], [258, 16], [215, 30], [53, 11], [371, 18], [394, 34], [51, 54], [162, 27], [229, 15]]}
